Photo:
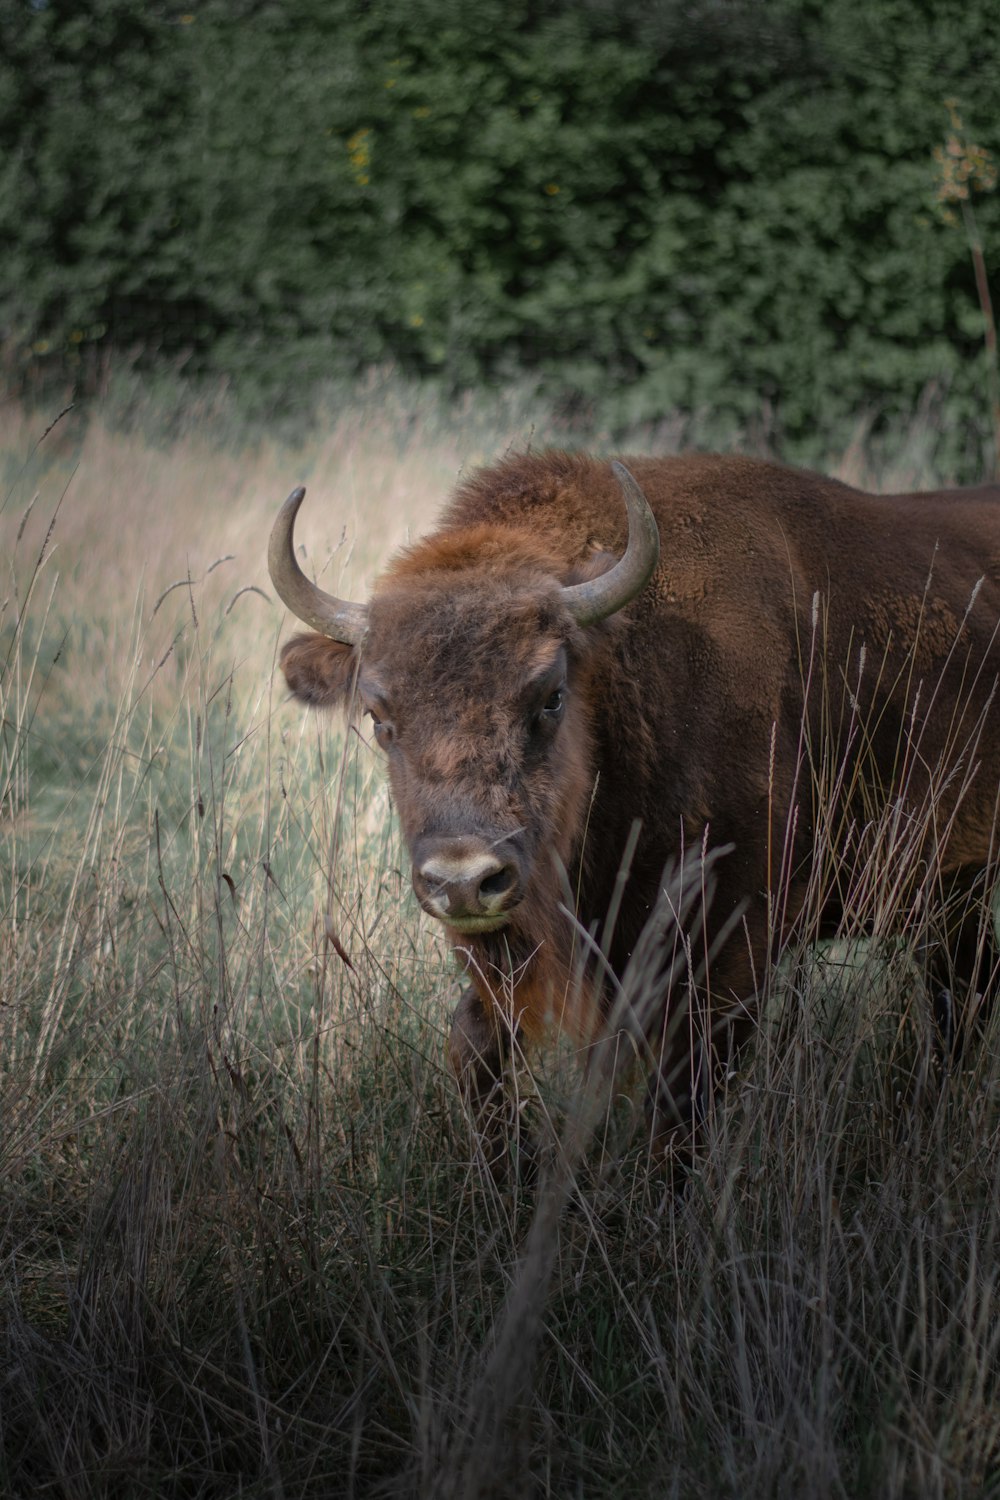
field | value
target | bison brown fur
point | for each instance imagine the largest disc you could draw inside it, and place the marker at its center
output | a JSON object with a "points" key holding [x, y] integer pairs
{"points": [[787, 610]]}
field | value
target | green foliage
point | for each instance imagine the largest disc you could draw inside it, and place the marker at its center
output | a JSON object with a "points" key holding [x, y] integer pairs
{"points": [[708, 208]]}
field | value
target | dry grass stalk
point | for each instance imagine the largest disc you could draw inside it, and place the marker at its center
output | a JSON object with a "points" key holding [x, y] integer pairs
{"points": [[250, 1242]]}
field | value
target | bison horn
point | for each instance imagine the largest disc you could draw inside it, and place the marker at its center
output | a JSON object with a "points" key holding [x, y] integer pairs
{"points": [[600, 597], [334, 617]]}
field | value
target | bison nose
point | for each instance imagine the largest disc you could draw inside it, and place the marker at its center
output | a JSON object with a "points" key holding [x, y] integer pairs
{"points": [[465, 883]]}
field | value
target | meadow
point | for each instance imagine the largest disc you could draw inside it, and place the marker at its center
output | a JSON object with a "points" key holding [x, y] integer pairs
{"points": [[249, 1241]]}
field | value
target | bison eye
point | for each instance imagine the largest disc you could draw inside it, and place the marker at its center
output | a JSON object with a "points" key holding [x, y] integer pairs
{"points": [[551, 710], [384, 732]]}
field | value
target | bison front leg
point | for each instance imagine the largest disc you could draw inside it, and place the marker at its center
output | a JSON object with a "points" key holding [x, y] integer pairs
{"points": [[478, 1048], [702, 1033], [963, 972]]}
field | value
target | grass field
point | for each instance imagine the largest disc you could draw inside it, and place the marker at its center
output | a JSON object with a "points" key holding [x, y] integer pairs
{"points": [[248, 1245]]}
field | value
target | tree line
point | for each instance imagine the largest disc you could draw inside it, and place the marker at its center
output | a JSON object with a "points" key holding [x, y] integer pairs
{"points": [[745, 210]]}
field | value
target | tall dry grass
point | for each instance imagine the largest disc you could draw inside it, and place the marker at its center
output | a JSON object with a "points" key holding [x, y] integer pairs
{"points": [[248, 1239]]}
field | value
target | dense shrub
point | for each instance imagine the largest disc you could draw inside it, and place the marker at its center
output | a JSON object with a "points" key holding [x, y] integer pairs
{"points": [[722, 206]]}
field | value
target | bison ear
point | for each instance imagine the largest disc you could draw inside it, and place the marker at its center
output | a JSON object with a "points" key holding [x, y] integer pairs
{"points": [[590, 567], [320, 671]]}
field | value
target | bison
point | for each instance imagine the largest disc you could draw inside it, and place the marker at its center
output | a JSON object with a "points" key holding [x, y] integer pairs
{"points": [[588, 663]]}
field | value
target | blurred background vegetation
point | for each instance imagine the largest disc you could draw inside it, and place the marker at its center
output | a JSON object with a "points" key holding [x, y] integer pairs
{"points": [[727, 210]]}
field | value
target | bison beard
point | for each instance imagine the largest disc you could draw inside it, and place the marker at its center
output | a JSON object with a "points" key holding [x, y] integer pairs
{"points": [[543, 683]]}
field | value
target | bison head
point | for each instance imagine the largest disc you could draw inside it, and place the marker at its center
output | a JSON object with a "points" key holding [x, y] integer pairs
{"points": [[474, 660]]}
